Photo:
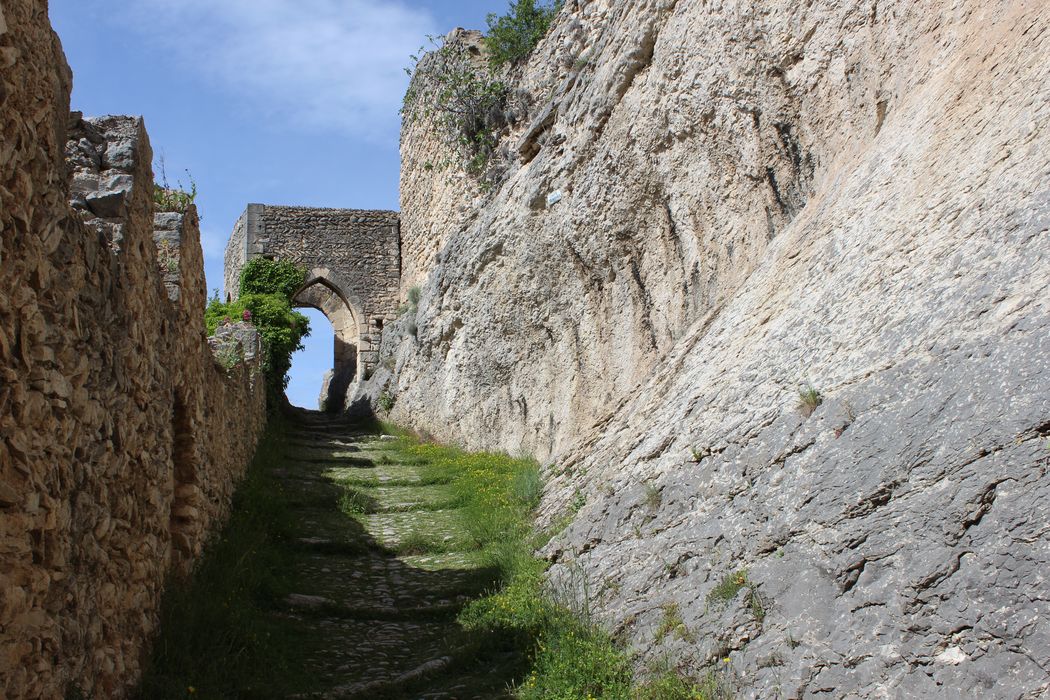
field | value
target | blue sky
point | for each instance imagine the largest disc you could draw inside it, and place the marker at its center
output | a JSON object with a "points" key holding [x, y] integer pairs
{"points": [[271, 101]]}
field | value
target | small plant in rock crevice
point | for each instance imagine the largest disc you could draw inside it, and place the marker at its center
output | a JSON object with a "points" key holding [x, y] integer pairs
{"points": [[671, 623], [409, 310], [653, 496], [228, 355], [168, 198], [168, 258], [385, 401], [728, 588], [808, 399]]}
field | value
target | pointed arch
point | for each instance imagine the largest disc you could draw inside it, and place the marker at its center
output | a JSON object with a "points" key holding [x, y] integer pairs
{"points": [[322, 291]]}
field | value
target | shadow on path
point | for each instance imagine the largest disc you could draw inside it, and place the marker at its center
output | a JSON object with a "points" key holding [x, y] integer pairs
{"points": [[382, 564]]}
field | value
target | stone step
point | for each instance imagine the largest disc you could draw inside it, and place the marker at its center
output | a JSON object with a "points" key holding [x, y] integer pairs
{"points": [[373, 579], [443, 529], [383, 564]]}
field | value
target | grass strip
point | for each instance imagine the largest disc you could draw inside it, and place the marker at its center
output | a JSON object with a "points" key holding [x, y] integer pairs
{"points": [[218, 635], [565, 655]]}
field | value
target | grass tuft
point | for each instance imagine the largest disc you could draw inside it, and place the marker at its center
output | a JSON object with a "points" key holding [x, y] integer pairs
{"points": [[808, 400], [672, 624]]}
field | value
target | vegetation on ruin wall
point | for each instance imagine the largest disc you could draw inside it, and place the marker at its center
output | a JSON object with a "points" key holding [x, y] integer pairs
{"points": [[466, 101], [177, 197], [265, 300], [513, 36]]}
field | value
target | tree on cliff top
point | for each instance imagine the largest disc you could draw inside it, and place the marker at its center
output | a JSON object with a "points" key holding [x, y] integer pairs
{"points": [[513, 36]]}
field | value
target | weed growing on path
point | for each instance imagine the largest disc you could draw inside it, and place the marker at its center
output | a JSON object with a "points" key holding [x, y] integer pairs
{"points": [[566, 654]]}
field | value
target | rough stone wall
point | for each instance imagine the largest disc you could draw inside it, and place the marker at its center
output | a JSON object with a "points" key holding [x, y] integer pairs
{"points": [[120, 436], [236, 254], [852, 195], [352, 253], [435, 199]]}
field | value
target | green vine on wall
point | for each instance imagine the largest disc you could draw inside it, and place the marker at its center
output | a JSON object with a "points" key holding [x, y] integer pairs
{"points": [[265, 301]]}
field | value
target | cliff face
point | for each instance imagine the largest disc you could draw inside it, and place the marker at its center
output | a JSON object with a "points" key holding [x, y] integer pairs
{"points": [[745, 201]]}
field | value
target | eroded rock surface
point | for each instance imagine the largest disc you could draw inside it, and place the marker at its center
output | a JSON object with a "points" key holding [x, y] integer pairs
{"points": [[707, 208]]}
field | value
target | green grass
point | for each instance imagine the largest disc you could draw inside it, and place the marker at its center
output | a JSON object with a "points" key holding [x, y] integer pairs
{"points": [[216, 637], [567, 656], [424, 543], [728, 588], [357, 502], [672, 624], [220, 636]]}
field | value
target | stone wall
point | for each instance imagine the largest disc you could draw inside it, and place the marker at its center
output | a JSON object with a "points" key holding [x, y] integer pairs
{"points": [[236, 255], [121, 436], [436, 198], [353, 261], [750, 198]]}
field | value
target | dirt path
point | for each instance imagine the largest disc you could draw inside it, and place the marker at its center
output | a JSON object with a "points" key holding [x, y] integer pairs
{"points": [[382, 563]]}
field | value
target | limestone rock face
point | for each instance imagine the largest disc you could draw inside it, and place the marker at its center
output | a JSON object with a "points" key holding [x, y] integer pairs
{"points": [[709, 207]]}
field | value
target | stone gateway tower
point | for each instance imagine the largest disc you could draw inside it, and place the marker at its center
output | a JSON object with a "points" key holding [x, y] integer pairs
{"points": [[353, 263]]}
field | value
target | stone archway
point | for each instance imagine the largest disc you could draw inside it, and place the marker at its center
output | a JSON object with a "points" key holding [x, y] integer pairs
{"points": [[321, 292], [354, 262]]}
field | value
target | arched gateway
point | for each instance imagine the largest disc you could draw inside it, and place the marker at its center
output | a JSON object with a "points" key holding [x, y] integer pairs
{"points": [[353, 262]]}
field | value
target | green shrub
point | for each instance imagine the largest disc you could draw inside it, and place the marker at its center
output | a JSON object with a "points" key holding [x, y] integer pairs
{"points": [[281, 328], [463, 103], [265, 276], [513, 36], [267, 287]]}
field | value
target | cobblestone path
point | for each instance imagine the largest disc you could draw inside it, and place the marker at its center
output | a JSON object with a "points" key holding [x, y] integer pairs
{"points": [[376, 603]]}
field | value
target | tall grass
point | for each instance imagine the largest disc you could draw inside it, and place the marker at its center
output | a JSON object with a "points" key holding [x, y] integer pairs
{"points": [[217, 638]]}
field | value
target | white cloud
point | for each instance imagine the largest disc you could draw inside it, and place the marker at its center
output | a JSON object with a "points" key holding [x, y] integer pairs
{"points": [[329, 63]]}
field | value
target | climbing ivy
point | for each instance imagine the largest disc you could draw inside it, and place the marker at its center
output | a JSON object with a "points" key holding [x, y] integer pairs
{"points": [[265, 276], [265, 301]]}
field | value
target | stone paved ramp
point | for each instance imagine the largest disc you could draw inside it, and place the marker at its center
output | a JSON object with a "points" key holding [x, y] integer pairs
{"points": [[380, 624]]}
